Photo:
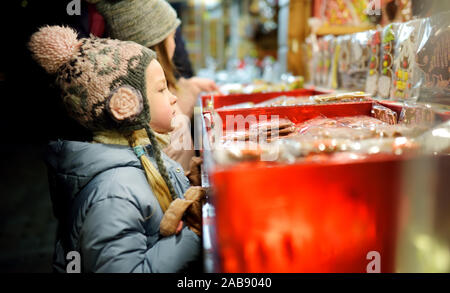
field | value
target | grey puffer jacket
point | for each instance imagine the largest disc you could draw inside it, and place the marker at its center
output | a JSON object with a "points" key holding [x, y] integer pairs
{"points": [[116, 228]]}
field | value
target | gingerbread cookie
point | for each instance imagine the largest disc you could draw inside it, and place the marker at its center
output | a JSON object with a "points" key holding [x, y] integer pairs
{"points": [[384, 114]]}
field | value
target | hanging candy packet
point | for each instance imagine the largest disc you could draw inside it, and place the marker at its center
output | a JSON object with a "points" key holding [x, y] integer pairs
{"points": [[326, 59], [317, 60], [309, 64], [405, 86], [336, 49], [373, 72], [387, 59], [433, 59], [344, 79], [359, 60]]}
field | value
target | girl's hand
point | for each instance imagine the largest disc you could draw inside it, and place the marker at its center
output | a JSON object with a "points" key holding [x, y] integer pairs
{"points": [[194, 174], [193, 215], [189, 208]]}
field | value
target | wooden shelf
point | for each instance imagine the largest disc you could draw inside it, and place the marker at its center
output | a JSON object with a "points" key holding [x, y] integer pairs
{"points": [[343, 29]]}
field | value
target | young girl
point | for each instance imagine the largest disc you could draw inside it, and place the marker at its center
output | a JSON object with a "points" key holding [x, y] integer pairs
{"points": [[153, 23], [119, 199]]}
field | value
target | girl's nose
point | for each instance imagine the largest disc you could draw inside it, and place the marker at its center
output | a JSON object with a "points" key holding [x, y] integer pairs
{"points": [[173, 99]]}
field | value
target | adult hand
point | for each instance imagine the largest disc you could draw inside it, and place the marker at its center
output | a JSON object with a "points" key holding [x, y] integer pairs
{"points": [[204, 84]]}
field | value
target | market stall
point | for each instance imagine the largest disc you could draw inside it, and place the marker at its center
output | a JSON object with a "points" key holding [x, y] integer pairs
{"points": [[345, 175]]}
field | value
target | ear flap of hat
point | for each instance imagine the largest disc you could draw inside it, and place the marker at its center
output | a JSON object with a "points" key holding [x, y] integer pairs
{"points": [[125, 103]]}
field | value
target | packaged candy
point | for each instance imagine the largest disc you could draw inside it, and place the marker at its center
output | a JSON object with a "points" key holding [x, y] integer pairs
{"points": [[384, 114], [263, 131], [361, 121], [327, 42], [436, 140], [417, 115], [359, 60], [405, 83], [374, 64], [433, 59], [334, 70], [344, 59], [340, 98], [387, 58], [285, 101], [238, 106]]}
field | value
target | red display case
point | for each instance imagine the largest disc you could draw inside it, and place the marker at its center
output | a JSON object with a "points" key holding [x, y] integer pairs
{"points": [[219, 101], [328, 216]]}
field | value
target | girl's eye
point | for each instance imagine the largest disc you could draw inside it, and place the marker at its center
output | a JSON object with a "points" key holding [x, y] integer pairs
{"points": [[162, 90]]}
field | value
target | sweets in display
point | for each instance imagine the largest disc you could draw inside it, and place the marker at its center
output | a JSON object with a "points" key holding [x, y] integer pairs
{"points": [[417, 115], [404, 67], [344, 53], [344, 12], [374, 64], [302, 100], [285, 101], [387, 74], [265, 130], [318, 62], [343, 97], [259, 86], [336, 49], [317, 138], [359, 60], [433, 59], [326, 48], [384, 114]]}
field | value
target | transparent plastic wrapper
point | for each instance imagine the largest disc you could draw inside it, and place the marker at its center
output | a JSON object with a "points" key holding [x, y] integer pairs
{"points": [[359, 60], [238, 106], [340, 98], [399, 130], [286, 101], [266, 131], [309, 64], [436, 140], [361, 121], [318, 62], [417, 114], [373, 72], [433, 58], [234, 152], [293, 149], [334, 70], [405, 85], [327, 43], [384, 114], [388, 41], [324, 143], [344, 59]]}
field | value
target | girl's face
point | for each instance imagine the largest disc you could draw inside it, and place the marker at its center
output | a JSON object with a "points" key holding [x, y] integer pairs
{"points": [[170, 45], [160, 99]]}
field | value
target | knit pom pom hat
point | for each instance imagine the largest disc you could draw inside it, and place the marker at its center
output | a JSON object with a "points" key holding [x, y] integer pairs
{"points": [[146, 22], [90, 72]]}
